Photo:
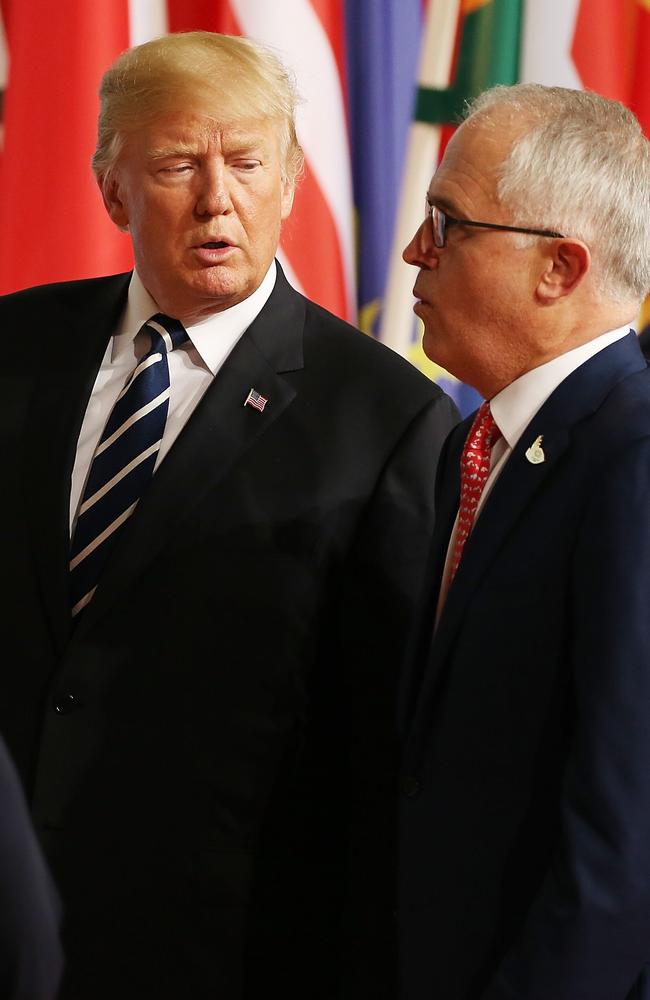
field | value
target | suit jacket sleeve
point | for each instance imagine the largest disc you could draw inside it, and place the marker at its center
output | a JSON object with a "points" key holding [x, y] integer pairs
{"points": [[384, 585], [30, 952], [587, 933]]}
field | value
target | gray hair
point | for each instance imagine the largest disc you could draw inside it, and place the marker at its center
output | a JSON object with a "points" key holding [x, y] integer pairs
{"points": [[580, 166], [238, 78]]}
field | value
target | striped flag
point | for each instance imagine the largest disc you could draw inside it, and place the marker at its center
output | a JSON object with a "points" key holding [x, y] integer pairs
{"points": [[316, 247], [256, 400], [468, 45]]}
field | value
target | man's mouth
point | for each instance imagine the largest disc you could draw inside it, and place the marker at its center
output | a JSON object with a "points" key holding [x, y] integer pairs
{"points": [[213, 251]]}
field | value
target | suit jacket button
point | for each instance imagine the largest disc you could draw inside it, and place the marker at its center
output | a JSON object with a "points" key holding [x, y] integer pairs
{"points": [[410, 786], [66, 702]]}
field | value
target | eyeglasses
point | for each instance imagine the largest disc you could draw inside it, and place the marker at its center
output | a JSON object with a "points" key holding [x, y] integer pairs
{"points": [[440, 223]]}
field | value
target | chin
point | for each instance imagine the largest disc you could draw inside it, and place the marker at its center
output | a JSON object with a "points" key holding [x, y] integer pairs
{"points": [[221, 291], [432, 349]]}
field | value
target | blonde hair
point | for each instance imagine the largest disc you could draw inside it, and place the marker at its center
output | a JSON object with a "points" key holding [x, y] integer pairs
{"points": [[239, 78]]}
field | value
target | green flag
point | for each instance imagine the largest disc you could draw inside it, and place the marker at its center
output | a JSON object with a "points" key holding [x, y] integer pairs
{"points": [[489, 54]]}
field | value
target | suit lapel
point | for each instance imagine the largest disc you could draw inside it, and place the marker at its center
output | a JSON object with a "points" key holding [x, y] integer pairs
{"points": [[218, 433], [576, 397], [80, 328], [447, 499], [518, 483]]}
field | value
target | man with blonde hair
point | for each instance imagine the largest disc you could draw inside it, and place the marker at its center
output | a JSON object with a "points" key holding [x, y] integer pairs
{"points": [[219, 537], [526, 810]]}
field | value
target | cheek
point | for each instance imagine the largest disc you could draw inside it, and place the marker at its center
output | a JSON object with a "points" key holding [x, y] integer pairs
{"points": [[262, 211], [163, 210]]}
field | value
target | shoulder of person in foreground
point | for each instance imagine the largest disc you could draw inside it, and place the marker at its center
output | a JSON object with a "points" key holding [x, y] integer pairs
{"points": [[30, 952]]}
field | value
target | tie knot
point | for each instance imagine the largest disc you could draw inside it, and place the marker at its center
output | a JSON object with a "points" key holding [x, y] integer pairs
{"points": [[166, 333], [484, 431]]}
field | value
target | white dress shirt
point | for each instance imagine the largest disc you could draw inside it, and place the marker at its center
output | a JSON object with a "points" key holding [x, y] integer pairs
{"points": [[192, 369], [513, 409]]}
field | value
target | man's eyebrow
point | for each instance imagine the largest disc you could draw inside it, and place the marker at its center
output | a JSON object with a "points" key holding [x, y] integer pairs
{"points": [[178, 149], [244, 144], [241, 147], [443, 204]]}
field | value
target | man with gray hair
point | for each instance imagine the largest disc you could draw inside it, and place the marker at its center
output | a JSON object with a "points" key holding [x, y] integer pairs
{"points": [[525, 821], [223, 502]]}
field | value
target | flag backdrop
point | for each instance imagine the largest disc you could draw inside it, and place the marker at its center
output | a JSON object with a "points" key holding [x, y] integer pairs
{"points": [[383, 82], [52, 222], [383, 40]]}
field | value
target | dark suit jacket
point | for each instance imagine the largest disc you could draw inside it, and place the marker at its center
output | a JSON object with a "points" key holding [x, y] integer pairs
{"points": [[210, 755], [30, 950], [526, 806]]}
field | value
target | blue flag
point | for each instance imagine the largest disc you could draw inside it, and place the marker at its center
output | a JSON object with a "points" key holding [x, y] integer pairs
{"points": [[383, 44]]}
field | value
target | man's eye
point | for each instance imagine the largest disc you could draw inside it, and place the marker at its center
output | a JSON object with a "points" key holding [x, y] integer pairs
{"points": [[247, 165]]}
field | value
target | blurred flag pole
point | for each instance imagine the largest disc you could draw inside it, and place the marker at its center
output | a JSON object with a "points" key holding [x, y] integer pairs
{"points": [[436, 57], [147, 20], [4, 68]]}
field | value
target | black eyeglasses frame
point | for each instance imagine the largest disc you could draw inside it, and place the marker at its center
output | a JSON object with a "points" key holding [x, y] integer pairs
{"points": [[442, 221]]}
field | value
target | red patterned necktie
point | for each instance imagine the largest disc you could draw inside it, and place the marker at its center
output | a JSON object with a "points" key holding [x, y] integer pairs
{"points": [[474, 471]]}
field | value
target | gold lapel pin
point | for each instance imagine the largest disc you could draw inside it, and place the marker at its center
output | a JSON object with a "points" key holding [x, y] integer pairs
{"points": [[535, 454]]}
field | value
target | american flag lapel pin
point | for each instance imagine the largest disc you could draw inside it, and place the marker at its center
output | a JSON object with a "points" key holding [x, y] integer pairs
{"points": [[256, 400]]}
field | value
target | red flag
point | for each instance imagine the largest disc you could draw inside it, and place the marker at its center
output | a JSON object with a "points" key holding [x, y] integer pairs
{"points": [[611, 52], [611, 47], [639, 99], [53, 224]]}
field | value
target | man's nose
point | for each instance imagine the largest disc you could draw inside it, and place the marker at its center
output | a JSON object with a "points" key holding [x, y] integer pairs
{"points": [[421, 251], [213, 196]]}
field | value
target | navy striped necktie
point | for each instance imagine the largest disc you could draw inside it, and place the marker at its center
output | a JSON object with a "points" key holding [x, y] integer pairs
{"points": [[124, 460]]}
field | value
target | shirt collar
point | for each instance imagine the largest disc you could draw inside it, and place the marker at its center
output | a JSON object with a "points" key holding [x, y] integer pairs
{"points": [[515, 406], [213, 337]]}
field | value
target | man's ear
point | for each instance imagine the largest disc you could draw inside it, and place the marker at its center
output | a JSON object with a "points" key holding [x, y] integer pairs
{"points": [[567, 263], [109, 187], [288, 191]]}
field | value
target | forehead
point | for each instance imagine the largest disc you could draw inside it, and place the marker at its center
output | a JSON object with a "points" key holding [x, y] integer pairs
{"points": [[197, 131], [466, 180]]}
